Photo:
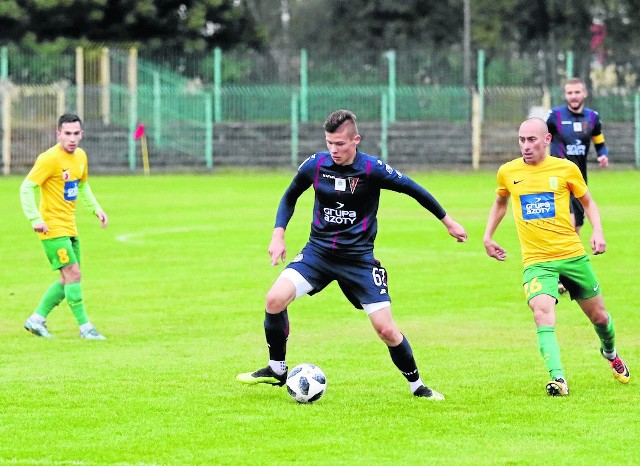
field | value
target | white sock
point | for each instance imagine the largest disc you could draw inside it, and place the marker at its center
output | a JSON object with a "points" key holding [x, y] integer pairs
{"points": [[609, 356], [279, 367], [37, 318], [416, 385]]}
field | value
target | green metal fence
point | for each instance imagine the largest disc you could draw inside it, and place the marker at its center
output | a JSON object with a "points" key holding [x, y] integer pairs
{"points": [[192, 104]]}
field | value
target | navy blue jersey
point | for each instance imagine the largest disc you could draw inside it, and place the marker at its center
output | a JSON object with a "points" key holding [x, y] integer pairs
{"points": [[346, 200], [573, 133]]}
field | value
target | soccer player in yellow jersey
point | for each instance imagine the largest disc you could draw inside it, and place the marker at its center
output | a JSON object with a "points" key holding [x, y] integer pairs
{"points": [[61, 174], [540, 187]]}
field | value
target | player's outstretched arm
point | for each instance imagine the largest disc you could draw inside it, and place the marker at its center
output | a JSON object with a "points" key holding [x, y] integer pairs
{"points": [[455, 229], [494, 250], [86, 194], [102, 216], [598, 244], [497, 213], [277, 247], [29, 207]]}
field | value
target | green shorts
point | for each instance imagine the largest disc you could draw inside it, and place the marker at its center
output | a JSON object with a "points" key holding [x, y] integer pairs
{"points": [[576, 274], [62, 251]]}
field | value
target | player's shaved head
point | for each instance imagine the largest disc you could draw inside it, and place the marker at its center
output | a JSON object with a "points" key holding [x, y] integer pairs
{"points": [[533, 138], [535, 124]]}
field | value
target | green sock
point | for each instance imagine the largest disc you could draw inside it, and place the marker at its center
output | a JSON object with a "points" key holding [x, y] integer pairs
{"points": [[51, 298], [73, 293], [607, 336], [550, 351]]}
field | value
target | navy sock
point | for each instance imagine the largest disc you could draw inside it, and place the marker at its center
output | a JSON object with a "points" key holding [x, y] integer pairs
{"points": [[402, 357], [276, 330]]}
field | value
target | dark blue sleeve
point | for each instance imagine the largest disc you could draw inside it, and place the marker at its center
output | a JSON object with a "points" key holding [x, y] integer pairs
{"points": [[551, 122], [601, 148], [552, 125], [299, 184], [393, 180]]}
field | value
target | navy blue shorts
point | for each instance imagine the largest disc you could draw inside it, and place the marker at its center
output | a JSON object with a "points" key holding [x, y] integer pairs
{"points": [[576, 208], [363, 281]]}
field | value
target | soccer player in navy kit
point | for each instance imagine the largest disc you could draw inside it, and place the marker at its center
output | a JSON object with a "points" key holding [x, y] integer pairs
{"points": [[347, 185], [573, 127]]}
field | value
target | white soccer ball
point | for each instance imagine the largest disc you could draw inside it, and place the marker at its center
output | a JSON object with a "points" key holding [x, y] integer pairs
{"points": [[306, 383]]}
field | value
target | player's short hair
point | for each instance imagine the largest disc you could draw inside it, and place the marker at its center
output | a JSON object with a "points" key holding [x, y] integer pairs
{"points": [[69, 118], [338, 118], [575, 81]]}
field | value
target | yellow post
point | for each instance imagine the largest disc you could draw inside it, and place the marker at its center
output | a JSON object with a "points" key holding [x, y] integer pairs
{"points": [[59, 98], [80, 81], [105, 85], [132, 70], [132, 78], [145, 155], [6, 130], [476, 131], [546, 99], [546, 104]]}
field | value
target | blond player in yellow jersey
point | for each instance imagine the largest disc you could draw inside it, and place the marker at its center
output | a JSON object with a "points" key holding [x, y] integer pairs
{"points": [[540, 187], [61, 174]]}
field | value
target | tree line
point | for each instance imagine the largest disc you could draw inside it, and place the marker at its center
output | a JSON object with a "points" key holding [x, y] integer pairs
{"points": [[610, 29]]}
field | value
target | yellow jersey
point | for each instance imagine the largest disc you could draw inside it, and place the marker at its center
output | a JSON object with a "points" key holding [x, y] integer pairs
{"points": [[540, 197], [58, 174]]}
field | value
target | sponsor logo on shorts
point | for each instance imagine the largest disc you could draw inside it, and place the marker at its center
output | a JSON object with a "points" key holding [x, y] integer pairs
{"points": [[298, 258]]}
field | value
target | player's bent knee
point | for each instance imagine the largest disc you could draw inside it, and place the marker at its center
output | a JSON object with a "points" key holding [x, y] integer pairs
{"points": [[389, 334], [70, 274], [278, 298], [599, 318]]}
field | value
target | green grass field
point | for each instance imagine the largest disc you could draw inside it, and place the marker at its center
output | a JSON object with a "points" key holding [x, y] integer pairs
{"points": [[177, 284]]}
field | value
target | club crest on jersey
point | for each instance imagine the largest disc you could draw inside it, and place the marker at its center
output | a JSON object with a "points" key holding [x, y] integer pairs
{"points": [[581, 126], [553, 182], [353, 182], [340, 184], [66, 175]]}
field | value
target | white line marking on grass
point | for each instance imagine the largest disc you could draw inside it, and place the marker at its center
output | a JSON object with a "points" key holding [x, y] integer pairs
{"points": [[140, 236]]}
